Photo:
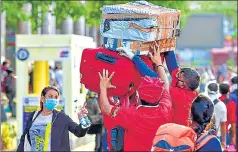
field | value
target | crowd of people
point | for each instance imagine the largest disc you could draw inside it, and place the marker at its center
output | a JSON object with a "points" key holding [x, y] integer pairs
{"points": [[158, 101], [8, 87], [130, 122]]}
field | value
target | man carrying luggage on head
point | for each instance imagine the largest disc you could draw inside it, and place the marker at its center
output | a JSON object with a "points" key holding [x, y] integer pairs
{"points": [[182, 89], [142, 118]]}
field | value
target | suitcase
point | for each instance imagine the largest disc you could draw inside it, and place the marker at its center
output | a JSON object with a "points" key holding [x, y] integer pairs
{"points": [[140, 20], [139, 47], [126, 78]]}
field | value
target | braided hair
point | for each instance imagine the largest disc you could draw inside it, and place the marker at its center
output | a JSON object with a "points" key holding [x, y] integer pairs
{"points": [[202, 112]]}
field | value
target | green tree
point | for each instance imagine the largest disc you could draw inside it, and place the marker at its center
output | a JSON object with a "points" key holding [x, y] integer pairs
{"points": [[73, 9], [15, 13]]}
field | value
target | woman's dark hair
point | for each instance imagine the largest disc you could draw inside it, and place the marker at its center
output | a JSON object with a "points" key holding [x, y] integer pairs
{"points": [[44, 92], [202, 111]]}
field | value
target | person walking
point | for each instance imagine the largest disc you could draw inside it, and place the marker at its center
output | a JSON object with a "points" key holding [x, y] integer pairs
{"points": [[95, 116], [48, 129], [10, 90], [220, 112]]}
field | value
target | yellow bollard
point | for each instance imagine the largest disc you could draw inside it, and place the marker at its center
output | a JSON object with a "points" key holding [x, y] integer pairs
{"points": [[83, 90], [39, 77], [47, 73]]}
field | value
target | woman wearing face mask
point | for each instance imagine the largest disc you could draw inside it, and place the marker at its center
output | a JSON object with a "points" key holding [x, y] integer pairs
{"points": [[48, 129]]}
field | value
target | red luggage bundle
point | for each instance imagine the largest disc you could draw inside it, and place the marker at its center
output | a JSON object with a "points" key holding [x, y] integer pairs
{"points": [[126, 78]]}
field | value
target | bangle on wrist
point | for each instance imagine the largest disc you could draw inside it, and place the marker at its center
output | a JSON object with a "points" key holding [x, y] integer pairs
{"points": [[159, 65]]}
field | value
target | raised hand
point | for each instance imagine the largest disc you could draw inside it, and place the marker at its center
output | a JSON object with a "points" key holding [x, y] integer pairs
{"points": [[155, 58], [105, 80]]}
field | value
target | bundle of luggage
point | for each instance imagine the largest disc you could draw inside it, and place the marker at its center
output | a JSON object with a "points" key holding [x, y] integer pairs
{"points": [[138, 26]]}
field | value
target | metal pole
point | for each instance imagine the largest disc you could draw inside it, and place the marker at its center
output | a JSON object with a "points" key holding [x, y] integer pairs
{"points": [[47, 24], [39, 20], [79, 26], [3, 34], [67, 26], [53, 18], [25, 26], [87, 30]]}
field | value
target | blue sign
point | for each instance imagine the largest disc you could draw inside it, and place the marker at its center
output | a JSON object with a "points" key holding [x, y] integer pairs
{"points": [[64, 53], [22, 54]]}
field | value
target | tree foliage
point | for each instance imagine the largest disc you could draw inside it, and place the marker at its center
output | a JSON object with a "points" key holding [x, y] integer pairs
{"points": [[15, 13], [73, 9]]}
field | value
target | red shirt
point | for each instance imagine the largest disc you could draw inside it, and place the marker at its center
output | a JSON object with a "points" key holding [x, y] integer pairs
{"points": [[231, 111], [181, 101], [108, 121], [141, 123]]}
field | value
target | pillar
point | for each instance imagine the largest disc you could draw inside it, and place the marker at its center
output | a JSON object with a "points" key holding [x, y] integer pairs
{"points": [[39, 76]]}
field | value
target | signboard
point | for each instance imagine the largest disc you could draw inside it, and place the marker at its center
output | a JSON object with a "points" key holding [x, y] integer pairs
{"points": [[64, 53], [23, 54], [31, 104], [202, 31]]}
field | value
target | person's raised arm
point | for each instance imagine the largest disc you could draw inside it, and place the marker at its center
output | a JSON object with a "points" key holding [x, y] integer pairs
{"points": [[156, 59], [140, 65], [171, 61], [105, 84]]}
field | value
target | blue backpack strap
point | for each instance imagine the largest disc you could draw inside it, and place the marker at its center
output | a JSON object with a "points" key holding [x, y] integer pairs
{"points": [[210, 134], [215, 101], [226, 101]]}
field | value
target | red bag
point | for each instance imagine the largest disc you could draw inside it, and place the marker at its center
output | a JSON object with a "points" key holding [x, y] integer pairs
{"points": [[126, 78]]}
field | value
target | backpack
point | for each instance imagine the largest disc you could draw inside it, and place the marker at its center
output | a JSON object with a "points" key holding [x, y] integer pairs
{"points": [[174, 137]]}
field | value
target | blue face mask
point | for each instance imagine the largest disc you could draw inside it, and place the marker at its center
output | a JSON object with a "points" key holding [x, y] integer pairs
{"points": [[50, 103]]}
